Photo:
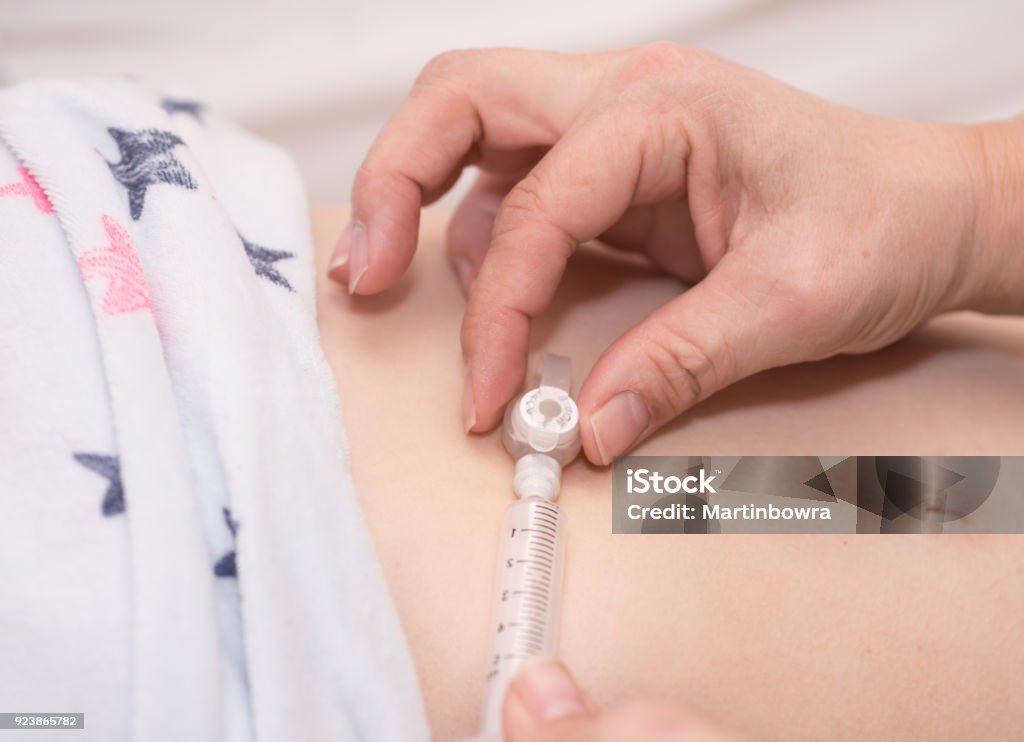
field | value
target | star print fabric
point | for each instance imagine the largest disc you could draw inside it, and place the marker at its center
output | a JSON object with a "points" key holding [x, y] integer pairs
{"points": [[183, 554]]}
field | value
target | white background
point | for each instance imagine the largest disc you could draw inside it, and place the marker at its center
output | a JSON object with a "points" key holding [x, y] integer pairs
{"points": [[320, 77]]}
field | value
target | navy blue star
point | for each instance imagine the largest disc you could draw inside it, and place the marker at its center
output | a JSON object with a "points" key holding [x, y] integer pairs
{"points": [[225, 566], [192, 108], [109, 467], [147, 159], [263, 259]]}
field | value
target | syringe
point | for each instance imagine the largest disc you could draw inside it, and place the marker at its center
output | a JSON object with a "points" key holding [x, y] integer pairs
{"points": [[541, 432]]}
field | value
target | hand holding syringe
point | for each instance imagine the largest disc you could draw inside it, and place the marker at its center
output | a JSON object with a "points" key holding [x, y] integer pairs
{"points": [[542, 434]]}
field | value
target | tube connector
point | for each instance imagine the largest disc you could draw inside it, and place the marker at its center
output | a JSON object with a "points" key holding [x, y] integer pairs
{"points": [[537, 475], [541, 430]]}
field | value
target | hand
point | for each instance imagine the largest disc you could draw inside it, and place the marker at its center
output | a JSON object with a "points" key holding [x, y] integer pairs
{"points": [[544, 704], [807, 229]]}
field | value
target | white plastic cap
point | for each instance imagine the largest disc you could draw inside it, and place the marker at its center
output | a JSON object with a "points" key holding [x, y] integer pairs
{"points": [[544, 420]]}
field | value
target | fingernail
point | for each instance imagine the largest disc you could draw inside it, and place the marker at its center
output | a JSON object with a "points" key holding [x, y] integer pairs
{"points": [[465, 271], [547, 691], [468, 404], [358, 259], [618, 423], [341, 249]]}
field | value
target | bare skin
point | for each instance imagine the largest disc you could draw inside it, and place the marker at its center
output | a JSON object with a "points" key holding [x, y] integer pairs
{"points": [[769, 637]]}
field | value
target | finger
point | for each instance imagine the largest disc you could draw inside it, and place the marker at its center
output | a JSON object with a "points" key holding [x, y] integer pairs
{"points": [[544, 704], [571, 196], [469, 230], [664, 233], [541, 695], [465, 106], [726, 327]]}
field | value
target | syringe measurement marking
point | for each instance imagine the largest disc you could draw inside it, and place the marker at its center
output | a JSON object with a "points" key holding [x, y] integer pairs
{"points": [[545, 539], [543, 568], [539, 581], [538, 594], [533, 632], [532, 639], [532, 629], [535, 596], [533, 635], [546, 530], [538, 574], [543, 528], [538, 584], [528, 635], [533, 613], [528, 624], [539, 609]]}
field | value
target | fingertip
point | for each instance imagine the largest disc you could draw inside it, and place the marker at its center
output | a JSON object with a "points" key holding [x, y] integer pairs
{"points": [[468, 404], [615, 410], [466, 274], [495, 346], [517, 722], [338, 274], [617, 425], [358, 257], [591, 447], [337, 266], [384, 228], [380, 249]]}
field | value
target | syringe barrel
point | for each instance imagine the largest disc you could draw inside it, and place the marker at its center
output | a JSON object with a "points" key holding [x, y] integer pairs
{"points": [[527, 598]]}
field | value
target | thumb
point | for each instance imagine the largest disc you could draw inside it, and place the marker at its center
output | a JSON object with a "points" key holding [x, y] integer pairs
{"points": [[544, 704], [721, 330]]}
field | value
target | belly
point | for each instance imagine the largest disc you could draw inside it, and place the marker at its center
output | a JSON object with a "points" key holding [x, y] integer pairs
{"points": [[776, 637]]}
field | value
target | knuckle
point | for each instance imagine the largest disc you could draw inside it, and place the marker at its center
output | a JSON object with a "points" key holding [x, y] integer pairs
{"points": [[482, 321], [445, 66], [472, 323], [367, 174], [662, 58], [684, 371], [374, 179], [525, 202], [801, 300]]}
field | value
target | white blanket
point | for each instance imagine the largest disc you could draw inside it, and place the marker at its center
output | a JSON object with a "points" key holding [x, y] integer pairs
{"points": [[182, 555]]}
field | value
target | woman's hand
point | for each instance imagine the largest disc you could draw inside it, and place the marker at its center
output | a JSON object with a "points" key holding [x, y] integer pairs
{"points": [[807, 229], [544, 704]]}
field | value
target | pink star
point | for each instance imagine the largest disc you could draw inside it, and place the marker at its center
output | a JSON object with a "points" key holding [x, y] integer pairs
{"points": [[28, 187], [119, 264]]}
